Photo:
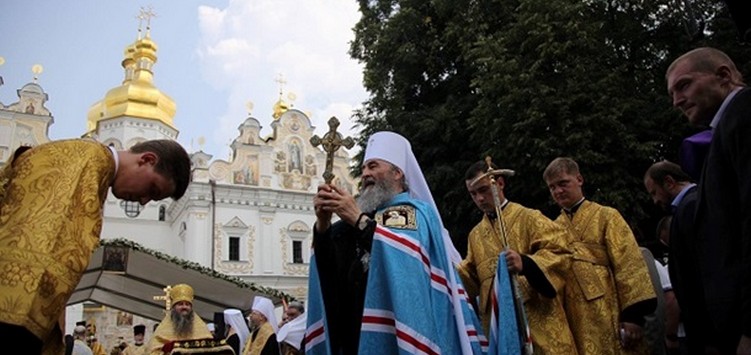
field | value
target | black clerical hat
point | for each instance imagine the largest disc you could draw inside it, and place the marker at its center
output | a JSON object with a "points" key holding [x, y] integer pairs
{"points": [[139, 329], [83, 323]]}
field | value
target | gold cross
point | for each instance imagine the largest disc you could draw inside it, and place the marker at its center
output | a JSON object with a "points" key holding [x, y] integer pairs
{"points": [[331, 142], [165, 297]]}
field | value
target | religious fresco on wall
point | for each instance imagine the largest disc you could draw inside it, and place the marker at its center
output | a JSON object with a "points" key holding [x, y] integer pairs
{"points": [[310, 165], [294, 148], [248, 174]]}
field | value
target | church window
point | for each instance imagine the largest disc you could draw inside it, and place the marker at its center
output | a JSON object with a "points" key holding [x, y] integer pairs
{"points": [[234, 248], [132, 208], [162, 212], [297, 252]]}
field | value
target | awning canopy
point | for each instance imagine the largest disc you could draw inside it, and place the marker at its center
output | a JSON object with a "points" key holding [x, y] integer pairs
{"points": [[126, 276]]}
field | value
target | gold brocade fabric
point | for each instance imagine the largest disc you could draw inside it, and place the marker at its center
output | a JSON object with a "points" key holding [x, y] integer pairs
{"points": [[98, 349], [50, 219], [529, 233], [255, 346], [609, 274], [135, 350], [165, 333]]}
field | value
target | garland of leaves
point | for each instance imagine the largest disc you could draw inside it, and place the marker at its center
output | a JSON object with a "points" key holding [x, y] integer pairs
{"points": [[185, 264]]}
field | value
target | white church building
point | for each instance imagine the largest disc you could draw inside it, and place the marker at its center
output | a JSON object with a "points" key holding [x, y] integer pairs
{"points": [[250, 216]]}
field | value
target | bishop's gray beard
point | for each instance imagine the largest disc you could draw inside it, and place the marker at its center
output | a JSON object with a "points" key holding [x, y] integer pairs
{"points": [[376, 195], [183, 323]]}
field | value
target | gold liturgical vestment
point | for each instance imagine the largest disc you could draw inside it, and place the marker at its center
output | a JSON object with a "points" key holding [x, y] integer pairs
{"points": [[51, 215], [165, 333], [609, 274], [255, 346], [532, 234]]}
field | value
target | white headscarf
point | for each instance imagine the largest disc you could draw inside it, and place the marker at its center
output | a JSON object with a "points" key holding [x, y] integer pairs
{"points": [[234, 318], [266, 307], [396, 150]]}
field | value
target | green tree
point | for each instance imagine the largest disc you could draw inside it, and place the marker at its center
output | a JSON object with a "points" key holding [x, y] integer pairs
{"points": [[525, 81]]}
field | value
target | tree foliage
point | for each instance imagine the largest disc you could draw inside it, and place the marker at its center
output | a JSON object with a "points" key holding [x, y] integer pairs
{"points": [[525, 81]]}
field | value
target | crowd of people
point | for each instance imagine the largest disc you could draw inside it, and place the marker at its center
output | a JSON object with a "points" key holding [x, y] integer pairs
{"points": [[583, 283], [385, 277]]}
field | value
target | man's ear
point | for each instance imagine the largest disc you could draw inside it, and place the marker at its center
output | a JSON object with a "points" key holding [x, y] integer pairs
{"points": [[668, 182], [724, 73], [148, 158], [500, 181]]}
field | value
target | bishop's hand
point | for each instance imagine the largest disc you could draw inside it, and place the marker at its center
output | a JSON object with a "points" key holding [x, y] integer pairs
{"points": [[332, 199]]}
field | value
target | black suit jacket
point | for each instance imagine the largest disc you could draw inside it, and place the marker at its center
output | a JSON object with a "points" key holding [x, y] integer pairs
{"points": [[685, 276], [723, 220]]}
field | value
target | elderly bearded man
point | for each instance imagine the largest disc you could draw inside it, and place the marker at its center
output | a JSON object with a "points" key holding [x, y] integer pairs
{"points": [[378, 290]]}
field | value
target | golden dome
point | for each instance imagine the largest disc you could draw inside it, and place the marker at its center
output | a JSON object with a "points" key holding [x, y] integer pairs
{"points": [[280, 107], [137, 96]]}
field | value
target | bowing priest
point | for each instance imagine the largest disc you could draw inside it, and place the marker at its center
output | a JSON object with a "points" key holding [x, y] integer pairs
{"points": [[51, 204]]}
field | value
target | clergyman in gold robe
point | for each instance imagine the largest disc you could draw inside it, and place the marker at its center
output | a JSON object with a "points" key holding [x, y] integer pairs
{"points": [[179, 324], [264, 328], [537, 253], [610, 291], [51, 204]]}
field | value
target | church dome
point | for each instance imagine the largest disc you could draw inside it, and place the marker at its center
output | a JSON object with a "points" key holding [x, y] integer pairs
{"points": [[136, 96], [280, 107]]}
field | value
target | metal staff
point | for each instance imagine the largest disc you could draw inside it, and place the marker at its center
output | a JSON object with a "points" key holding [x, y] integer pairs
{"points": [[521, 315]]}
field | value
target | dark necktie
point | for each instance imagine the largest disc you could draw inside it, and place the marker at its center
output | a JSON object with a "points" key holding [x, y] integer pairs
{"points": [[693, 152]]}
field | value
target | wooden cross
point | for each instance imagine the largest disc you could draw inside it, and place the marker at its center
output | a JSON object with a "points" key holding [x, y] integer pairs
{"points": [[166, 298], [331, 142]]}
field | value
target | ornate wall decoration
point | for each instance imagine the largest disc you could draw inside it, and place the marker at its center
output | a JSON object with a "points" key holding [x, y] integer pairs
{"points": [[219, 170], [234, 228], [247, 174], [294, 149], [310, 166], [280, 162], [295, 181], [289, 267]]}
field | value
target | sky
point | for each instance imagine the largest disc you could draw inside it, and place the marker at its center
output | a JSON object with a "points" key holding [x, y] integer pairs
{"points": [[213, 58]]}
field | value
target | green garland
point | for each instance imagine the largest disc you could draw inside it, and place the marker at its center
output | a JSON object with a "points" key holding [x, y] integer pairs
{"points": [[185, 264]]}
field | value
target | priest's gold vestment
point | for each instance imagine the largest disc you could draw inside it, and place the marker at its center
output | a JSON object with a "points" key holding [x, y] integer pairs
{"points": [[608, 275], [255, 346], [532, 234], [51, 202], [165, 333]]}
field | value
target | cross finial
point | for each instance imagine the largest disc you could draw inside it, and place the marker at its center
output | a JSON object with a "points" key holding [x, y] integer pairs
{"points": [[331, 142], [146, 14], [165, 298], [280, 79]]}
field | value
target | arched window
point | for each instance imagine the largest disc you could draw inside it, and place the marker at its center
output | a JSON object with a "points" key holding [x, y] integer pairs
{"points": [[132, 208], [162, 212]]}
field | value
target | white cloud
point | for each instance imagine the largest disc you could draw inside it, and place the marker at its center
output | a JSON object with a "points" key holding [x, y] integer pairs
{"points": [[244, 47]]}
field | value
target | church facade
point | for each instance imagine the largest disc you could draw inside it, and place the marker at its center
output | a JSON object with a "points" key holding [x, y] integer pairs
{"points": [[250, 216]]}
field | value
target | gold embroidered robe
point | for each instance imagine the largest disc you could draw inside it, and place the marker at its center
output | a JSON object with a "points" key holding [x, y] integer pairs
{"points": [[134, 349], [165, 333], [50, 218], [255, 346], [532, 234], [608, 275]]}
